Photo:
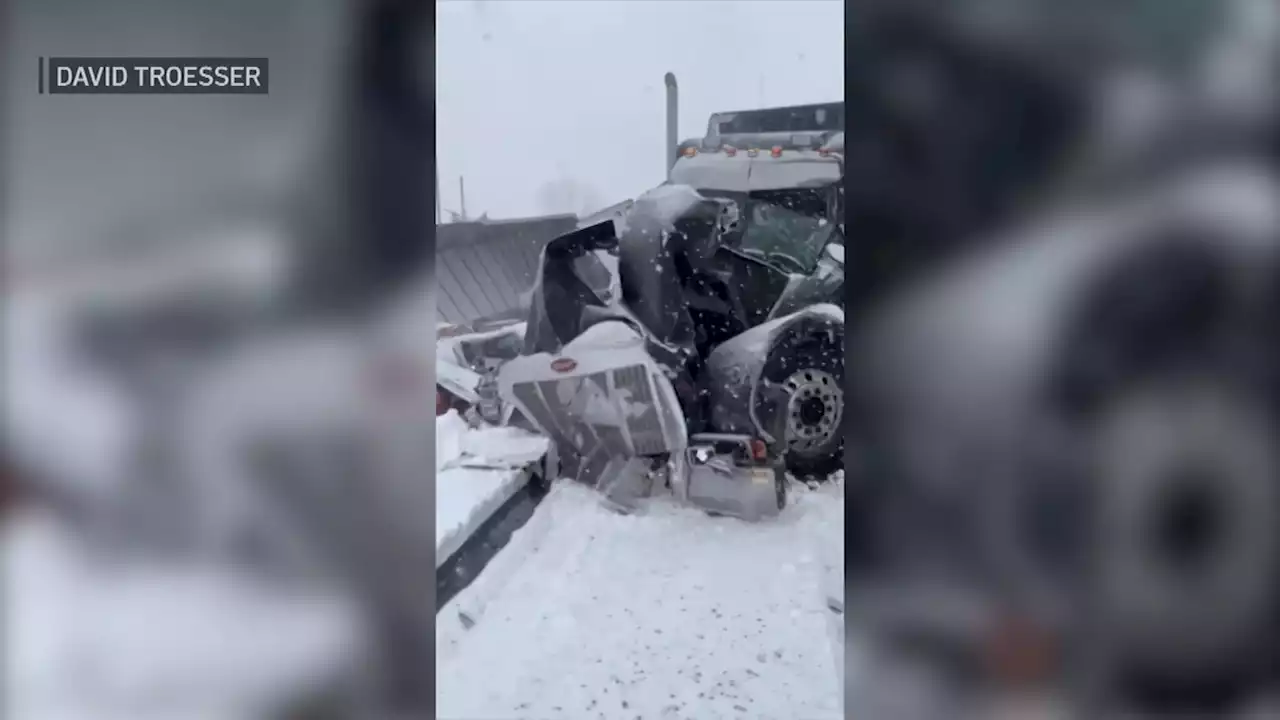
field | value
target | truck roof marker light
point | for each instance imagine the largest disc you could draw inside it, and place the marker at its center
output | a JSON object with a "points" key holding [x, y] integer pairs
{"points": [[730, 150], [776, 151]]}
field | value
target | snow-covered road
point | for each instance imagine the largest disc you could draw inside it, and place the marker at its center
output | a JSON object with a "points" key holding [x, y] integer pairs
{"points": [[139, 640], [665, 614], [468, 492]]}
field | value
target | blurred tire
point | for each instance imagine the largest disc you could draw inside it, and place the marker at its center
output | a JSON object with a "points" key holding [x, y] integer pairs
{"points": [[1188, 548]]}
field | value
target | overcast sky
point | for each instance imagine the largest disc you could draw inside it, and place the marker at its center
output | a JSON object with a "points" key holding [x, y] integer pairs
{"points": [[537, 92]]}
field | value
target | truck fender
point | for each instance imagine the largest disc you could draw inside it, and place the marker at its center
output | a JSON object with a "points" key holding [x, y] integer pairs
{"points": [[736, 370]]}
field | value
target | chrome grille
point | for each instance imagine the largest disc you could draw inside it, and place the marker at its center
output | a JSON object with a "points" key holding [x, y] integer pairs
{"points": [[646, 429], [591, 414], [528, 396]]}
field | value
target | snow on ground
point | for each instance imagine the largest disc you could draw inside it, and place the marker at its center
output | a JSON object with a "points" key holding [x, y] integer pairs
{"points": [[140, 641], [450, 429], [665, 614], [468, 493], [61, 419]]}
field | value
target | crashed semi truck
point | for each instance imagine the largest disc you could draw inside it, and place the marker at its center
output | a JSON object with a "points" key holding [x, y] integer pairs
{"points": [[709, 356]]}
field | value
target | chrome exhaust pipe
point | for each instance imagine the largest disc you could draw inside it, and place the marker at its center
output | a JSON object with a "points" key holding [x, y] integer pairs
{"points": [[673, 124]]}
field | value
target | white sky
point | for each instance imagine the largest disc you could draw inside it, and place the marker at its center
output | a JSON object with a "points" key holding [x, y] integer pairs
{"points": [[530, 92]]}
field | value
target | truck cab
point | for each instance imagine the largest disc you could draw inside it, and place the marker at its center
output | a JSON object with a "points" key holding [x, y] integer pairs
{"points": [[788, 187]]}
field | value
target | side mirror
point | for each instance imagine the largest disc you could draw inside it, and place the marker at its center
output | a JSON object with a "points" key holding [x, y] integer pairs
{"points": [[835, 251]]}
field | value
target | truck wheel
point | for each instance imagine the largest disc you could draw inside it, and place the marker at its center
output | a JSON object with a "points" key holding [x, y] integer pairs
{"points": [[1188, 496], [815, 413]]}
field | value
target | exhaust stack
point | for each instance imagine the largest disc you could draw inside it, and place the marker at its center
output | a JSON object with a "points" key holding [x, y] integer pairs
{"points": [[673, 114]]}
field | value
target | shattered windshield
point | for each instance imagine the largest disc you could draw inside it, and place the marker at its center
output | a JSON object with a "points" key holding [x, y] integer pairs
{"points": [[774, 231], [787, 229]]}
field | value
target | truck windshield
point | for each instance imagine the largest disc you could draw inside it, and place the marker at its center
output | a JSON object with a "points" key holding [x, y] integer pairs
{"points": [[786, 228]]}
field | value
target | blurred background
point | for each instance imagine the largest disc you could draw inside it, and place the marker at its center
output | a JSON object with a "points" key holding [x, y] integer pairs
{"points": [[1064, 228], [192, 292]]}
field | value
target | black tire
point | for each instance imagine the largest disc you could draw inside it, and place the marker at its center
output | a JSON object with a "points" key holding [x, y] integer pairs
{"points": [[540, 477], [1162, 633], [823, 357]]}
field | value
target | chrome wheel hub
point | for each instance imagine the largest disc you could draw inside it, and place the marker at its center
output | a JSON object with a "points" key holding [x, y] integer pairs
{"points": [[814, 409]]}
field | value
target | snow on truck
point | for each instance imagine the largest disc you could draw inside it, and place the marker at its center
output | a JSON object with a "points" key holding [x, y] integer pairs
{"points": [[709, 357]]}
